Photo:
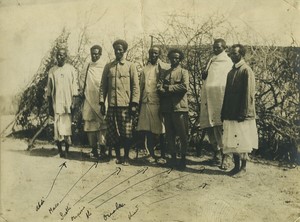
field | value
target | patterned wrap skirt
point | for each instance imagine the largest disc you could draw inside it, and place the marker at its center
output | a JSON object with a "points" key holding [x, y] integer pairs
{"points": [[119, 125]]}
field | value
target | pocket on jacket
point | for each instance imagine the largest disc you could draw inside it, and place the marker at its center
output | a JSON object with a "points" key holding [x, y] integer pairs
{"points": [[125, 80], [124, 75]]}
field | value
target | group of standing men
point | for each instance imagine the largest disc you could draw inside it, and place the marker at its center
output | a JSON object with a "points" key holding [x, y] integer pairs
{"points": [[115, 94]]}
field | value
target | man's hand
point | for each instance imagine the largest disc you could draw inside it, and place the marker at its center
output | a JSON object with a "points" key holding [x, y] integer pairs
{"points": [[50, 107], [133, 109], [241, 119], [51, 111], [75, 103], [204, 74], [102, 108], [166, 87], [81, 95], [161, 91]]}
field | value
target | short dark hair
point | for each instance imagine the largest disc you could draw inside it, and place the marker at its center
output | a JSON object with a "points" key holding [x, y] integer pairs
{"points": [[222, 41], [122, 43], [152, 47], [242, 49], [175, 50], [62, 48], [97, 47]]}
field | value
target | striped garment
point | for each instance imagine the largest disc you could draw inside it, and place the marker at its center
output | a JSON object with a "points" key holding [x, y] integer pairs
{"points": [[119, 125]]}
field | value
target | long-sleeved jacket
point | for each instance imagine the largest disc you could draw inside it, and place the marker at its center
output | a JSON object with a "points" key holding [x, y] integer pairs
{"points": [[174, 99], [148, 81], [239, 98], [120, 84]]}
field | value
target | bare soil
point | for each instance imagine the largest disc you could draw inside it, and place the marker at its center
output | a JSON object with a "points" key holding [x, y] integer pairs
{"points": [[38, 185]]}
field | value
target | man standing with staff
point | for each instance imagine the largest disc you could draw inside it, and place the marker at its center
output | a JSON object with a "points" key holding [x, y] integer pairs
{"points": [[120, 85]]}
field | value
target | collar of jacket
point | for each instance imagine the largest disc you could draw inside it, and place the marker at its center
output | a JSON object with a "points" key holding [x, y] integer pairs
{"points": [[177, 67], [122, 61], [157, 62], [239, 64]]}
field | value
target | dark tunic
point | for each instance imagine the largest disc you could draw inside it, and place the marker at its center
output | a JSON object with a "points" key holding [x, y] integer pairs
{"points": [[174, 100]]}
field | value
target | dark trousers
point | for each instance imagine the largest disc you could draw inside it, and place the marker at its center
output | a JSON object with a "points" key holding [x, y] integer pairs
{"points": [[176, 124]]}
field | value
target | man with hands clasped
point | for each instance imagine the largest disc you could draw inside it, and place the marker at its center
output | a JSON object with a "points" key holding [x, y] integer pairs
{"points": [[172, 87]]}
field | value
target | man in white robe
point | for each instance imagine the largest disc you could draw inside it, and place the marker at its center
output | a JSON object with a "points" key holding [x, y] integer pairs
{"points": [[212, 95], [62, 88], [94, 123]]}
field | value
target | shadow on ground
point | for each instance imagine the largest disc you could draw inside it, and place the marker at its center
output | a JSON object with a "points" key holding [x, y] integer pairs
{"points": [[52, 152]]}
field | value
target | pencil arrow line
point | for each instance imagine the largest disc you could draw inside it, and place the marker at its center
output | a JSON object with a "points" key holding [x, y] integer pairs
{"points": [[61, 166], [102, 181], [177, 178], [94, 165], [167, 171], [167, 198], [140, 171]]}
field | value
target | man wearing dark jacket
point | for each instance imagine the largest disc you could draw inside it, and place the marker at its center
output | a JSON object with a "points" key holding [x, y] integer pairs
{"points": [[173, 87]]}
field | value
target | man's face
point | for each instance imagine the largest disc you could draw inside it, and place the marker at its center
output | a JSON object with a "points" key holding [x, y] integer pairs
{"points": [[95, 55], [153, 55], [175, 59], [235, 55], [61, 57], [119, 51], [218, 48]]}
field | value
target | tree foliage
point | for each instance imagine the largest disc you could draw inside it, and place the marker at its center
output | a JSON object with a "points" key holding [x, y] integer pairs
{"points": [[33, 106], [32, 109], [277, 72]]}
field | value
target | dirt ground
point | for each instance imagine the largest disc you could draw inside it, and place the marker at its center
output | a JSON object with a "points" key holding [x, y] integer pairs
{"points": [[38, 185]]}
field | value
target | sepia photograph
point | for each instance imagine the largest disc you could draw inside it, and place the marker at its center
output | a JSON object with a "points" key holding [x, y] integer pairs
{"points": [[150, 110]]}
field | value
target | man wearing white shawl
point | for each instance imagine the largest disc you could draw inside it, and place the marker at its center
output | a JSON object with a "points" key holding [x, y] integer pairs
{"points": [[213, 93], [94, 124]]}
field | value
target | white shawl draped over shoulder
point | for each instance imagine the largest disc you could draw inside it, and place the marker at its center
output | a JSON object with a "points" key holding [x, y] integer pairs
{"points": [[91, 107], [213, 89]]}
